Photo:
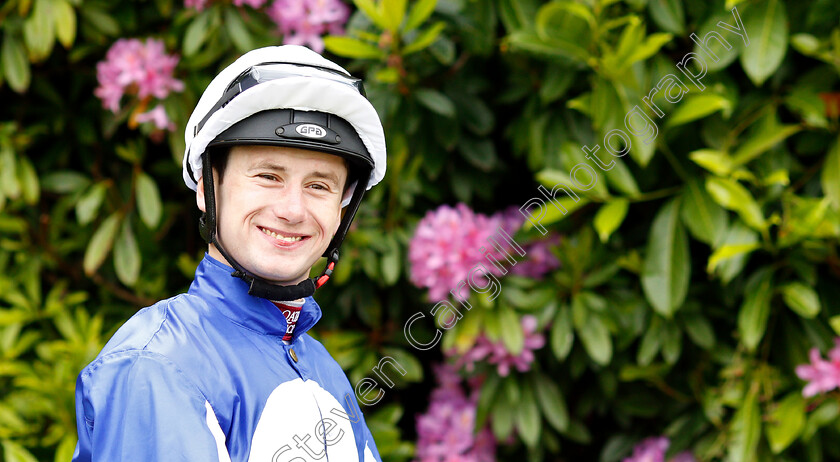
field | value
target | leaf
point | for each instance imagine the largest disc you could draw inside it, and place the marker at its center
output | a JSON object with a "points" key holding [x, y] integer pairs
{"points": [[651, 342], [28, 179], [562, 334], [65, 22], [196, 33], [717, 162], [39, 31], [610, 216], [830, 175], [699, 330], [391, 262], [667, 266], [15, 64], [436, 102], [528, 422], [754, 312], [762, 141], [64, 182], [698, 106], [101, 242], [786, 422], [370, 10], [65, 449], [393, 12], [148, 200], [596, 339], [237, 30], [803, 300], [350, 47], [724, 56], [746, 430], [13, 452], [668, 14], [738, 233], [731, 195], [834, 322], [704, 218], [728, 251], [530, 42], [89, 203], [480, 153], [512, 336], [502, 418], [551, 401], [127, 257], [424, 39], [419, 12], [767, 23]]}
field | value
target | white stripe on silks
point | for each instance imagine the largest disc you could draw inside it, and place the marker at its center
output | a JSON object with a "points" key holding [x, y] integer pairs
{"points": [[218, 434]]}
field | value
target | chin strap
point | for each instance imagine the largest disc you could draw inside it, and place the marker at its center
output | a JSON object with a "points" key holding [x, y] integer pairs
{"points": [[258, 286]]}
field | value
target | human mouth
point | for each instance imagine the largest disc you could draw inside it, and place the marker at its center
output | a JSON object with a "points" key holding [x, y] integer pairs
{"points": [[281, 237]]}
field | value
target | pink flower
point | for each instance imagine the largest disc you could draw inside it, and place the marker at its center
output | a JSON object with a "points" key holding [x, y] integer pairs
{"points": [[653, 450], [158, 117], [449, 242], [540, 261], [822, 375], [197, 4], [134, 67], [445, 431], [496, 353], [303, 22]]}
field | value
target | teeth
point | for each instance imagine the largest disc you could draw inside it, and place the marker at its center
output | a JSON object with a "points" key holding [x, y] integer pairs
{"points": [[281, 238]]}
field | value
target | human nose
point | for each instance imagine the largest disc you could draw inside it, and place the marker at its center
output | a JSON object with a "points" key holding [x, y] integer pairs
{"points": [[290, 206]]}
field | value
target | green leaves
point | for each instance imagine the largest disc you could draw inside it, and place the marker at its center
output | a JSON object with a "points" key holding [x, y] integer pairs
{"points": [[746, 430], [15, 64], [668, 14], [350, 47], [148, 200], [609, 217], [752, 318], [101, 242], [786, 422], [667, 266], [767, 24], [705, 219], [830, 176], [698, 106], [802, 299], [127, 255], [731, 195]]}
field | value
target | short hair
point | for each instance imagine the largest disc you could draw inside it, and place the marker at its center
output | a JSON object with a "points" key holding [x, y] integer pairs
{"points": [[219, 158]]}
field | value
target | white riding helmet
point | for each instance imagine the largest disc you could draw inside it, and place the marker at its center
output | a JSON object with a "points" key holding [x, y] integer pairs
{"points": [[285, 96]]}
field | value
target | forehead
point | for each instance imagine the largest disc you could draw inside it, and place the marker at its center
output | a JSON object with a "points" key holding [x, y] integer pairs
{"points": [[250, 156]]}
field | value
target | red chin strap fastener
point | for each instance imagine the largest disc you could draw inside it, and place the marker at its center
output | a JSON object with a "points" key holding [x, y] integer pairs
{"points": [[323, 279]]}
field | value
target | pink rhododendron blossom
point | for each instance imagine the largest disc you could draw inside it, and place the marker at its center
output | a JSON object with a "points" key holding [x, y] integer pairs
{"points": [[822, 376], [451, 241], [197, 4], [445, 431], [496, 353], [653, 450], [303, 22], [134, 67], [539, 260], [158, 117]]}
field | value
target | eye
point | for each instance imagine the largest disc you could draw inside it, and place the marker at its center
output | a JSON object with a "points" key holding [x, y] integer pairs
{"points": [[320, 187], [267, 176]]}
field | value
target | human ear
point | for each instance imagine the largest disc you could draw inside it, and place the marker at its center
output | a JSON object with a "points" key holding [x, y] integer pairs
{"points": [[199, 195]]}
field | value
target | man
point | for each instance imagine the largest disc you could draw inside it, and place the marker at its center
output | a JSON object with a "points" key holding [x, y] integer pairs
{"points": [[280, 150]]}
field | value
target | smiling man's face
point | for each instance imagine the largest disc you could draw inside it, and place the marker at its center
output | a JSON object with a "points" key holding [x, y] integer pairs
{"points": [[277, 208]]}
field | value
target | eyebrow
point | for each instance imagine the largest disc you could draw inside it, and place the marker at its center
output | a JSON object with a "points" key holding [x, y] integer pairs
{"points": [[269, 165]]}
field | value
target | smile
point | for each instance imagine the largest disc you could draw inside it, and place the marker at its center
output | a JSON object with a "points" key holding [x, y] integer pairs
{"points": [[279, 237]]}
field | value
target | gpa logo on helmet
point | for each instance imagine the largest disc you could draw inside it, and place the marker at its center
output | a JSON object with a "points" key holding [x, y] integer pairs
{"points": [[311, 130]]}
